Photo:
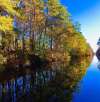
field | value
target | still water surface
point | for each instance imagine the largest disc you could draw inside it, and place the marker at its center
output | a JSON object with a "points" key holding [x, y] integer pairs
{"points": [[79, 82], [89, 86]]}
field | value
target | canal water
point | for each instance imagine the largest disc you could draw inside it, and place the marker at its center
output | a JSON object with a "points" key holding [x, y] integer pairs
{"points": [[77, 82], [89, 86]]}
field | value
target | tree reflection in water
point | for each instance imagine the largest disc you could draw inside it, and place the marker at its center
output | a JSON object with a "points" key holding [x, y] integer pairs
{"points": [[98, 65], [50, 85]]}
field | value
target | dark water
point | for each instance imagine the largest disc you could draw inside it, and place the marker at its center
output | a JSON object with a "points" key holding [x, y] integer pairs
{"points": [[77, 82]]}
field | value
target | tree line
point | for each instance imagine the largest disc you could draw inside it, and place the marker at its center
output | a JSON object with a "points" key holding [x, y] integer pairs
{"points": [[39, 27]]}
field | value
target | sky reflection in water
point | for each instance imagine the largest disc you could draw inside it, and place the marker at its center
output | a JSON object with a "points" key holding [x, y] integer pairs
{"points": [[89, 87]]}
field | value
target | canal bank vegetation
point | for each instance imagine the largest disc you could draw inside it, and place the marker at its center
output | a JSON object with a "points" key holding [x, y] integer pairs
{"points": [[35, 33]]}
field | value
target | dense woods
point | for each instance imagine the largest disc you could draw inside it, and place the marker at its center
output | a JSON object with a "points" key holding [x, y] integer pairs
{"points": [[41, 29], [43, 54]]}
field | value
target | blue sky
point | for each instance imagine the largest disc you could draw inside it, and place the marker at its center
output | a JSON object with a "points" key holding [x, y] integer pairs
{"points": [[87, 13]]}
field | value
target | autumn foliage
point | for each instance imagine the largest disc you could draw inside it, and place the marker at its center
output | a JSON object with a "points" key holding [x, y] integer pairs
{"points": [[39, 27]]}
